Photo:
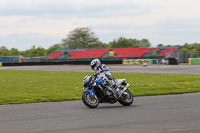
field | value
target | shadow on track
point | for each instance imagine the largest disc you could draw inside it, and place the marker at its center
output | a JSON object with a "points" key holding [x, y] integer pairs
{"points": [[112, 107]]}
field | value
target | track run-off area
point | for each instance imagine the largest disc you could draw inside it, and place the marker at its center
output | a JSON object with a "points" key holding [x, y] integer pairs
{"points": [[150, 114]]}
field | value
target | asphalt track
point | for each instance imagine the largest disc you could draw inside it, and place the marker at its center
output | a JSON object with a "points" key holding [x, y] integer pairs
{"points": [[152, 114], [177, 69]]}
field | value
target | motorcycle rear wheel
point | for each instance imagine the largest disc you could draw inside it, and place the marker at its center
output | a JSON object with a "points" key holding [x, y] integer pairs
{"points": [[90, 101], [126, 99]]}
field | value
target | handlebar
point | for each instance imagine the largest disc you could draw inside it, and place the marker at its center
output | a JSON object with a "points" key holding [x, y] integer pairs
{"points": [[94, 78]]}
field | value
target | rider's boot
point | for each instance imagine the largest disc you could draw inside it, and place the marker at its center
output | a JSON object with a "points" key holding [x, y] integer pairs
{"points": [[117, 90]]}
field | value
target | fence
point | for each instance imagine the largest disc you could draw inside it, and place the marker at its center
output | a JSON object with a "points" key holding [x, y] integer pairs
{"points": [[183, 57]]}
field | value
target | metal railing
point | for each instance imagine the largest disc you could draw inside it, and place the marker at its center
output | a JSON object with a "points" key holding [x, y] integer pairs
{"points": [[183, 56]]}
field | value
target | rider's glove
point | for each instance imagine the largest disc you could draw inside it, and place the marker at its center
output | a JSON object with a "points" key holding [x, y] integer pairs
{"points": [[95, 74]]}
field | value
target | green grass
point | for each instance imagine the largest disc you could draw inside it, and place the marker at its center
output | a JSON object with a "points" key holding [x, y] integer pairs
{"points": [[26, 86]]}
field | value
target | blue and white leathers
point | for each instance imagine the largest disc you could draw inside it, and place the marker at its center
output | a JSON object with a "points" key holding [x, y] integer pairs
{"points": [[103, 72]]}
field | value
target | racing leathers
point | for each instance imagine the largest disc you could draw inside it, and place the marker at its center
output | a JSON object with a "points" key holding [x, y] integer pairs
{"points": [[103, 72]]}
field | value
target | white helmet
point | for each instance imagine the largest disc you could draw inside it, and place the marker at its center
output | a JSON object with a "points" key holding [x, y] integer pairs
{"points": [[95, 64]]}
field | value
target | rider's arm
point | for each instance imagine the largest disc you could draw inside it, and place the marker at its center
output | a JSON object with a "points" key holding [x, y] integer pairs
{"points": [[104, 68], [99, 73]]}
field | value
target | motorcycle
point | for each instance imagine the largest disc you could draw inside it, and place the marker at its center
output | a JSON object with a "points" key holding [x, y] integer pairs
{"points": [[98, 92]]}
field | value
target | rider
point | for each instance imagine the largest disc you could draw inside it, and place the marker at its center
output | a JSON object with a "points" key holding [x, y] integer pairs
{"points": [[102, 71]]}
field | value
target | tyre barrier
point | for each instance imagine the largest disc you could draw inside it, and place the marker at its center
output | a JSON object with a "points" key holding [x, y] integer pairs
{"points": [[194, 61], [139, 61]]}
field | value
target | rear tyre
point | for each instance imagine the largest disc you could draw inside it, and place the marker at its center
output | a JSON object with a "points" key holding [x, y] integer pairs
{"points": [[126, 99], [90, 101]]}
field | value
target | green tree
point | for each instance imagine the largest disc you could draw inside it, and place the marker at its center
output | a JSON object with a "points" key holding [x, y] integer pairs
{"points": [[144, 43], [123, 42], [34, 52], [14, 52], [160, 45], [53, 48], [40, 52], [4, 51], [183, 49], [81, 38]]}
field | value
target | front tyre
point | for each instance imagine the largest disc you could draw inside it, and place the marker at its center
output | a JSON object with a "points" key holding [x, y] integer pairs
{"points": [[90, 101], [126, 98]]}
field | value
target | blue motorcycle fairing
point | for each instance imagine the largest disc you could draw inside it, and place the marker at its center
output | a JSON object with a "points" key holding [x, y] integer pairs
{"points": [[90, 91], [87, 85], [99, 80]]}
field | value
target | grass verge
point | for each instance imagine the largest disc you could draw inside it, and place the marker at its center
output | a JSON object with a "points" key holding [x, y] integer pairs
{"points": [[27, 86]]}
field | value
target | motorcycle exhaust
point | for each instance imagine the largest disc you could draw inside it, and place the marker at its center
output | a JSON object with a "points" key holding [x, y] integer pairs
{"points": [[125, 88]]}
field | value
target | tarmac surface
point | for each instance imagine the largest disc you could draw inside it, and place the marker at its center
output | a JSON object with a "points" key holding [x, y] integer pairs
{"points": [[177, 69], [152, 114]]}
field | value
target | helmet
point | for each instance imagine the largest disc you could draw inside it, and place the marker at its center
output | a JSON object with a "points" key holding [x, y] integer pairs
{"points": [[86, 80], [95, 64]]}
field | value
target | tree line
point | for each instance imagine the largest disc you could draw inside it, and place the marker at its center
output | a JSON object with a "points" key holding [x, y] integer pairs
{"points": [[85, 38]]}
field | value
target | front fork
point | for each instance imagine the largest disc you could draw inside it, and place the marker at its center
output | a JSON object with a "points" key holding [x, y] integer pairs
{"points": [[125, 88], [91, 91]]}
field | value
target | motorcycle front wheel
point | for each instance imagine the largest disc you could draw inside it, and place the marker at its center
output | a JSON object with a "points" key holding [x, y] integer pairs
{"points": [[126, 99], [90, 101]]}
